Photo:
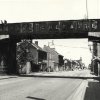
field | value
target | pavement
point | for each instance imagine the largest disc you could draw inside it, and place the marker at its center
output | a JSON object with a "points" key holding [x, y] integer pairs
{"points": [[79, 74], [7, 76], [83, 74]]}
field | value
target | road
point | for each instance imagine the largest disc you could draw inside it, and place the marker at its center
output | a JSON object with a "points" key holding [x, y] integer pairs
{"points": [[35, 88]]}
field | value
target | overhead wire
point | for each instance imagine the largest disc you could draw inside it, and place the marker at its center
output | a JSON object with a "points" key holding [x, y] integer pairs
{"points": [[72, 46]]}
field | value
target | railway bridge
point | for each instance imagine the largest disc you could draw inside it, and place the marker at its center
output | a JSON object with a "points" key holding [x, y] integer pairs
{"points": [[84, 28]]}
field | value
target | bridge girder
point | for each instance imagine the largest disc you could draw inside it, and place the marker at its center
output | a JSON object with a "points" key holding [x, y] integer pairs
{"points": [[51, 29]]}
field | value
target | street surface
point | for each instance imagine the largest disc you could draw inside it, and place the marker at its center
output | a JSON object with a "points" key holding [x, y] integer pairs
{"points": [[76, 73], [43, 88]]}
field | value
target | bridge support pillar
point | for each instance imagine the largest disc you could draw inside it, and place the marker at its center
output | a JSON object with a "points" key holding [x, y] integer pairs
{"points": [[12, 67], [7, 56]]}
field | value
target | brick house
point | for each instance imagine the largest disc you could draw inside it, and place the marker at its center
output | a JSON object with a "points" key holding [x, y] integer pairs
{"points": [[39, 56], [54, 59]]}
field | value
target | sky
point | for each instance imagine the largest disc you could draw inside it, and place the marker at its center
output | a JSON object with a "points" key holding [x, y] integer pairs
{"points": [[41, 10], [49, 10]]}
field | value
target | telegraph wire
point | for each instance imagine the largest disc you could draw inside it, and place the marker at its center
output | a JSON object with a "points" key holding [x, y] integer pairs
{"points": [[71, 47], [53, 44]]}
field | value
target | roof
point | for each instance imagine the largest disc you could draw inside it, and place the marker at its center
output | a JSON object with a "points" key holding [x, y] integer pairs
{"points": [[37, 47], [60, 54], [48, 49]]}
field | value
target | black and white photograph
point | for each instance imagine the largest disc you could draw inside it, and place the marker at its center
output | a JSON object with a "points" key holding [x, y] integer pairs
{"points": [[49, 49]]}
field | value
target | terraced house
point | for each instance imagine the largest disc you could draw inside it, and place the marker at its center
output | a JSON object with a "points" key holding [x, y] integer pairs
{"points": [[34, 58], [54, 59]]}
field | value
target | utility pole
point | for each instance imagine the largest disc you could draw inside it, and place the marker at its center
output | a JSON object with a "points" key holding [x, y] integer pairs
{"points": [[86, 9]]}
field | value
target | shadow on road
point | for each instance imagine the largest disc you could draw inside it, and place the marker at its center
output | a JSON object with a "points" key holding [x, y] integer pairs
{"points": [[92, 91], [35, 98]]}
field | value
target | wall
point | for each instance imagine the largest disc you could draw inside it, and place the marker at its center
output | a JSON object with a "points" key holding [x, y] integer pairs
{"points": [[34, 53], [98, 54], [95, 63], [8, 54], [52, 57]]}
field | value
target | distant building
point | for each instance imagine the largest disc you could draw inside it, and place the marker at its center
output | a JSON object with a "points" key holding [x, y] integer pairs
{"points": [[73, 64], [67, 64], [54, 59]]}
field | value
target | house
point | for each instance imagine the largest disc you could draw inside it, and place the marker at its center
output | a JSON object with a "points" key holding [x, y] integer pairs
{"points": [[36, 58], [54, 59], [40, 58]]}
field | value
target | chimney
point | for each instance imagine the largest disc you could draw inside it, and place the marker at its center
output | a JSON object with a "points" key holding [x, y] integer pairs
{"points": [[36, 42]]}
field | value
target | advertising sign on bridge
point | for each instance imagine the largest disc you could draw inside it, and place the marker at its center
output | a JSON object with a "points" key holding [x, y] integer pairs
{"points": [[64, 28]]}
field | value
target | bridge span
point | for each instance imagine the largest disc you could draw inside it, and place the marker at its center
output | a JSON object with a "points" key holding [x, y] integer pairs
{"points": [[51, 29], [41, 30]]}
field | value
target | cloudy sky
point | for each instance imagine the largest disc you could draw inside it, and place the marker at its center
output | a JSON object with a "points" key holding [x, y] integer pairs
{"points": [[37, 10], [47, 10]]}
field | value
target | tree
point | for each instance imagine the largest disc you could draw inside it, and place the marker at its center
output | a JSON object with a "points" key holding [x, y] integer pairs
{"points": [[23, 53]]}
